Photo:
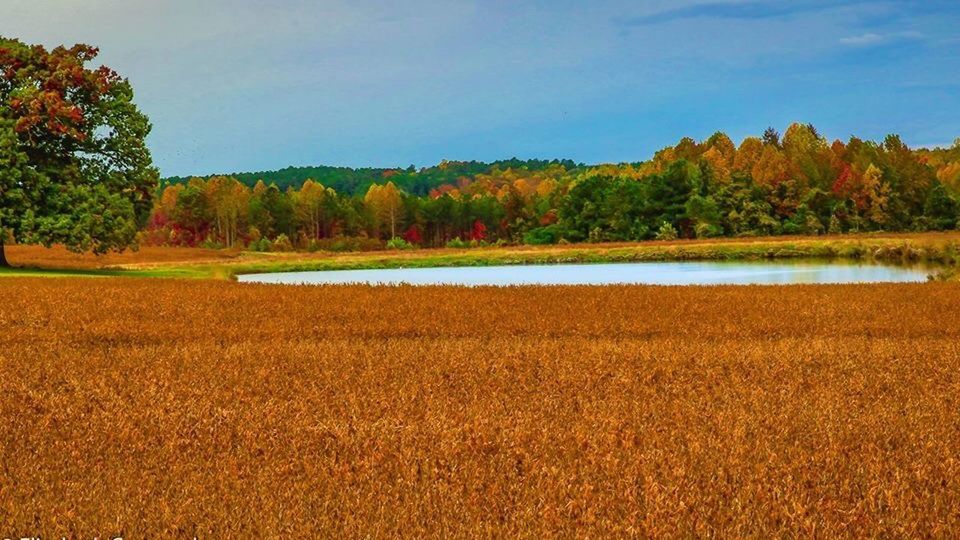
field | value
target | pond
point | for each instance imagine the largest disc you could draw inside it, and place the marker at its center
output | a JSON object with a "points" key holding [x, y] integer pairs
{"points": [[652, 273]]}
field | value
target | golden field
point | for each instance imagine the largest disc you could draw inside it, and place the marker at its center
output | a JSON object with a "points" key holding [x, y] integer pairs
{"points": [[164, 408]]}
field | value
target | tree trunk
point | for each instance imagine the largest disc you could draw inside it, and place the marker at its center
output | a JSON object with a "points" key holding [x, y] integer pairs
{"points": [[3, 256]]}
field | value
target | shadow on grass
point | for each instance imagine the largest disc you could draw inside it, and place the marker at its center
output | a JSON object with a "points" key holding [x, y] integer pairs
{"points": [[26, 271], [17, 271]]}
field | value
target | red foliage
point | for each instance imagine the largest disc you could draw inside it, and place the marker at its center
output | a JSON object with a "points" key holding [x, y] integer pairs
{"points": [[479, 231], [413, 235], [549, 218], [846, 174], [184, 237], [436, 193], [158, 220], [48, 82]]}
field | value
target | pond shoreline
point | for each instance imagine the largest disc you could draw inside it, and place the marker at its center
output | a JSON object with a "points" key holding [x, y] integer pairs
{"points": [[939, 250], [672, 273], [941, 256]]}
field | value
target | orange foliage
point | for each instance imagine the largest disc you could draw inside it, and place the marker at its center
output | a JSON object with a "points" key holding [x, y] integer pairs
{"points": [[772, 168]]}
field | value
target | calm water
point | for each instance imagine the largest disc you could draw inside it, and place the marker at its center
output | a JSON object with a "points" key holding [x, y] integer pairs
{"points": [[665, 273]]}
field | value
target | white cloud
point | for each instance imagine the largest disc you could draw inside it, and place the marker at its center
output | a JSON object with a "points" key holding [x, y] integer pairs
{"points": [[871, 38]]}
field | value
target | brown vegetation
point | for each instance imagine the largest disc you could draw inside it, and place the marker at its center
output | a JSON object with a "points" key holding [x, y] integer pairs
{"points": [[60, 258], [157, 408]]}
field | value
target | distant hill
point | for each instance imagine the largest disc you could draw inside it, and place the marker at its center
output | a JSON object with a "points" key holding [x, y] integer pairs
{"points": [[350, 181]]}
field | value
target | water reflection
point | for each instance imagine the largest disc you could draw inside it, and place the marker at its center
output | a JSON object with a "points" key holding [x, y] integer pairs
{"points": [[661, 273]]}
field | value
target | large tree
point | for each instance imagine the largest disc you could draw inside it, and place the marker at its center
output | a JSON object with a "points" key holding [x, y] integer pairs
{"points": [[74, 165]]}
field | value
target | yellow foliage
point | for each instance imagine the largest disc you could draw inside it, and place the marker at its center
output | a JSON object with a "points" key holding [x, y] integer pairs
{"points": [[718, 163], [772, 168], [949, 175], [748, 155]]}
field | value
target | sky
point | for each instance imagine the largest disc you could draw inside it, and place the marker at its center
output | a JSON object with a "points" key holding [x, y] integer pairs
{"points": [[251, 85]]}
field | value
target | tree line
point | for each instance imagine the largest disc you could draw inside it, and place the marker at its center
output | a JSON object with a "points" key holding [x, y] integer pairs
{"points": [[411, 180], [795, 184], [75, 170]]}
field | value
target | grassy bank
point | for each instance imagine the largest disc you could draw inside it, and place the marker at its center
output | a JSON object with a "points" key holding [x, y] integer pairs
{"points": [[941, 249], [173, 272], [934, 249]]}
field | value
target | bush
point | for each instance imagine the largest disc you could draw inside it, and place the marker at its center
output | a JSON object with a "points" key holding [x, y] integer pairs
{"points": [[666, 232], [399, 243], [708, 230], [835, 225], [813, 225], [261, 245], [457, 243], [150, 237], [281, 243], [551, 234]]}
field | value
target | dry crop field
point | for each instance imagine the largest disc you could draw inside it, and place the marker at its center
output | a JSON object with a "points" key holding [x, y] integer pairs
{"points": [[178, 408], [60, 258]]}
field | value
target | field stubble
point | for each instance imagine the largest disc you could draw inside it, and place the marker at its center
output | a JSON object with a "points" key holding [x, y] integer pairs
{"points": [[156, 408]]}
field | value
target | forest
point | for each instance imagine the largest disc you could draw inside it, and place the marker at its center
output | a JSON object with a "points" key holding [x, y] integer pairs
{"points": [[797, 184]]}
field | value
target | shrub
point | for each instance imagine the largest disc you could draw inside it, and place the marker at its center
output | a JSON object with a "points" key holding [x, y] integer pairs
{"points": [[835, 225], [551, 234], [666, 232], [458, 243], [399, 243], [708, 230], [281, 243], [262, 245], [210, 243]]}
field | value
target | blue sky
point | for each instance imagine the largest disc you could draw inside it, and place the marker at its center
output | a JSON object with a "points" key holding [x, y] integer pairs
{"points": [[238, 85]]}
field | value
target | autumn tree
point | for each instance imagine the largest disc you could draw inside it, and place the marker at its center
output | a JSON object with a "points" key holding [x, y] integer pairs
{"points": [[191, 214], [309, 205], [164, 211], [258, 214], [229, 200], [719, 164], [747, 155], [772, 168], [867, 192], [797, 184], [74, 165], [949, 175], [687, 149], [385, 203], [809, 155], [874, 194]]}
